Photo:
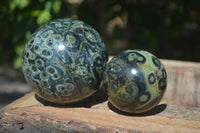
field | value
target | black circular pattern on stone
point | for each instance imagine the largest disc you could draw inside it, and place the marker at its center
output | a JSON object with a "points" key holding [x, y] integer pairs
{"points": [[156, 62], [162, 84], [152, 78], [129, 90], [164, 74], [64, 61], [147, 96], [136, 57]]}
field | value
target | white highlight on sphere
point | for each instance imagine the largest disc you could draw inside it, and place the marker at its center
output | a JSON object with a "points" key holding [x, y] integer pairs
{"points": [[61, 47], [133, 71]]}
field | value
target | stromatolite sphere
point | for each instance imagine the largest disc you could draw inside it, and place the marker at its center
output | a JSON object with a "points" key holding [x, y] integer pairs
{"points": [[64, 61], [136, 81]]}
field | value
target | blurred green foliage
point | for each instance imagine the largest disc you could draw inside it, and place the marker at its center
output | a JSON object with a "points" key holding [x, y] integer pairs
{"points": [[170, 29], [19, 19]]}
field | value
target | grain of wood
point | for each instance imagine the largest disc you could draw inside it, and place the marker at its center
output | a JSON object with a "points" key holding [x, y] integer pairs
{"points": [[183, 87], [98, 118]]}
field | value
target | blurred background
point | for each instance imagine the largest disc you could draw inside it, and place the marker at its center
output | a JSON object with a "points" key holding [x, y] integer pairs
{"points": [[169, 29]]}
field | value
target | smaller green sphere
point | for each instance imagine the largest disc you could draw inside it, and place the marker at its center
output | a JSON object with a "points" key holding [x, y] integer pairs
{"points": [[136, 81]]}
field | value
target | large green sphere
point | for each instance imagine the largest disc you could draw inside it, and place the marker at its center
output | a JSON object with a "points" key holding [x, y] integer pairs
{"points": [[136, 81], [64, 61]]}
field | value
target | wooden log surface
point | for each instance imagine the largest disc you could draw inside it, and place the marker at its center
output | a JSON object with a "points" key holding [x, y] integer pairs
{"points": [[183, 87], [28, 114]]}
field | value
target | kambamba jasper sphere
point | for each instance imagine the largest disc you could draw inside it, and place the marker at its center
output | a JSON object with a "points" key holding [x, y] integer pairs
{"points": [[64, 61], [136, 81]]}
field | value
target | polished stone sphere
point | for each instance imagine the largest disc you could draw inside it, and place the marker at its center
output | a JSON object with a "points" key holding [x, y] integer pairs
{"points": [[136, 81], [64, 61]]}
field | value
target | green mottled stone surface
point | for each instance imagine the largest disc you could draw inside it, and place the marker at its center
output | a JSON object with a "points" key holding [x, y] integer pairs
{"points": [[64, 61], [136, 81]]}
